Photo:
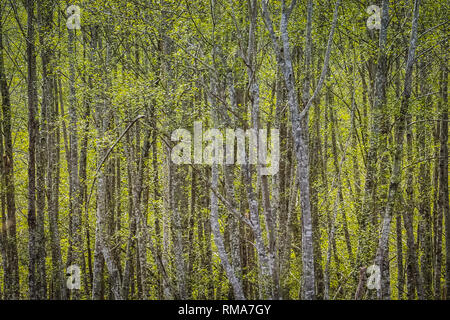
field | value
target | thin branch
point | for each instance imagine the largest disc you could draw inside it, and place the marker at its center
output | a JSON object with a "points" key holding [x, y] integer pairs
{"points": [[325, 63], [107, 155]]}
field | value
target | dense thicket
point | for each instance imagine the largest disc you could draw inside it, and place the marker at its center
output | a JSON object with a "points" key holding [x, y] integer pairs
{"points": [[86, 149]]}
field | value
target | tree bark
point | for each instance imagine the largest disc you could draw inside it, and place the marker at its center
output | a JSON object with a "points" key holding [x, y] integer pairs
{"points": [[12, 289], [382, 259], [33, 132], [74, 179], [299, 132]]}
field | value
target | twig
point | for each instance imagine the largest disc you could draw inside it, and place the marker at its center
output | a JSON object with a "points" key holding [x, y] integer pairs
{"points": [[107, 154]]}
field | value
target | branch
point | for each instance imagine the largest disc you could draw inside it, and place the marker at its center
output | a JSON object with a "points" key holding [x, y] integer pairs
{"points": [[325, 63], [269, 26], [291, 7], [108, 153]]}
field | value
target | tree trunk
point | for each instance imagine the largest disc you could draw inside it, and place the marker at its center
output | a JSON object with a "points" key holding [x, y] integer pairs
{"points": [[74, 180], [300, 133], [12, 289], [443, 166], [33, 238], [382, 259]]}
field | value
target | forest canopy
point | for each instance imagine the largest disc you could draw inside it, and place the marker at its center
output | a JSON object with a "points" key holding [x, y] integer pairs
{"points": [[224, 149]]}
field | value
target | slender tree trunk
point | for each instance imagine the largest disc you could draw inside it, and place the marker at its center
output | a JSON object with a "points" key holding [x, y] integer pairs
{"points": [[425, 199], [444, 165], [45, 14], [400, 268], [87, 98], [368, 207], [382, 259], [300, 133], [12, 289], [103, 252], [74, 181], [177, 231], [34, 292]]}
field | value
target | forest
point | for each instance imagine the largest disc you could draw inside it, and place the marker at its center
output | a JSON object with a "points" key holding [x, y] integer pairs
{"points": [[224, 149]]}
